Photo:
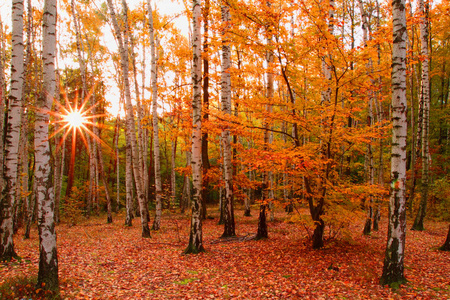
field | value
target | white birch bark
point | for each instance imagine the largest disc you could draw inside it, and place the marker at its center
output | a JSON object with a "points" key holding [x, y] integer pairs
{"points": [[425, 100], [369, 154], [156, 150], [116, 150], [129, 187], [229, 224], [131, 131], [393, 261], [196, 234], [326, 59], [57, 179], [186, 197], [92, 146], [48, 261], [140, 115], [11, 152], [144, 111], [2, 92]]}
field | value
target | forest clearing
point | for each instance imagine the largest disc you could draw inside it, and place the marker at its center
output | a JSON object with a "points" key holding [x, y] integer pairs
{"points": [[111, 261]]}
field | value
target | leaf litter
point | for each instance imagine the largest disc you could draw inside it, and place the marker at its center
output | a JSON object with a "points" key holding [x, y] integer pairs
{"points": [[112, 261]]}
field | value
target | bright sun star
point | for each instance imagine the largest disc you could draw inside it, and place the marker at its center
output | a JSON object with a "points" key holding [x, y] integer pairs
{"points": [[75, 119]]}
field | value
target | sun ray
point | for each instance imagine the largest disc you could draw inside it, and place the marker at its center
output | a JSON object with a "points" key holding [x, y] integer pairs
{"points": [[75, 118]]}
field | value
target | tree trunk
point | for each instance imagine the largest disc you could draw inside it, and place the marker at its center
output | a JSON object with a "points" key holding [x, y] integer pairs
{"points": [[12, 137], [196, 233], [369, 155], [377, 214], [250, 195], [129, 188], [116, 146], [229, 224], [156, 150], [410, 197], [317, 238], [205, 137], [262, 223], [393, 262], [2, 94], [105, 184], [446, 245], [186, 197], [140, 116], [425, 99], [131, 132], [48, 260], [173, 157]]}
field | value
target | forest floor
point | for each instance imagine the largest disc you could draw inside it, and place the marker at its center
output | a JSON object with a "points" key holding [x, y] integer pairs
{"points": [[111, 261]]}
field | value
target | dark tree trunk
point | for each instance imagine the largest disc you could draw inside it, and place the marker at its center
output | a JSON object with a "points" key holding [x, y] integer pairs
{"points": [[367, 227], [247, 212], [228, 213], [316, 212], [289, 208], [317, 238], [418, 221], [262, 223], [376, 219], [205, 157], [368, 224], [446, 246], [221, 207]]}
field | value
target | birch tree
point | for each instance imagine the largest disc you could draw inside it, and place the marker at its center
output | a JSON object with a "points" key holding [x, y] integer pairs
{"points": [[48, 261], [130, 128], [196, 233], [369, 154], [12, 131], [229, 224], [2, 93], [425, 100], [157, 160], [393, 261]]}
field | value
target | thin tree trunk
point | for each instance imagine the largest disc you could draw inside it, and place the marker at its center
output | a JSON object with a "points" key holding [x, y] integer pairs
{"points": [[186, 197], [393, 262], [376, 215], [48, 260], [229, 224], [58, 158], [425, 99], [130, 132], [12, 130], [369, 155], [144, 110], [129, 188], [205, 136], [116, 150], [172, 173], [249, 198], [156, 149], [105, 184], [196, 233], [2, 95], [140, 116], [92, 152], [410, 199]]}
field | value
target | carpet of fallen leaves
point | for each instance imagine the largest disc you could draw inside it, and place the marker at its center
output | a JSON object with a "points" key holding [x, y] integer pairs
{"points": [[111, 261]]}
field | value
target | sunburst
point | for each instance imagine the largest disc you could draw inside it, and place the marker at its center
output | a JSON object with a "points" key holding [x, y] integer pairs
{"points": [[74, 119]]}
